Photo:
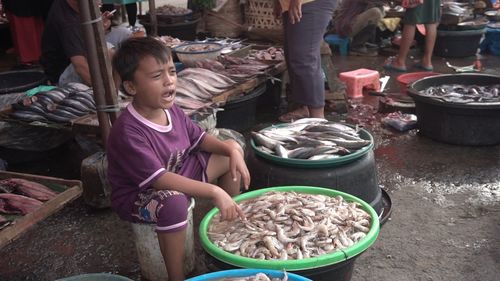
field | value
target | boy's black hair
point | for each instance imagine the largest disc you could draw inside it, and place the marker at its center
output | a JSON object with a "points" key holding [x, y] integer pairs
{"points": [[131, 51]]}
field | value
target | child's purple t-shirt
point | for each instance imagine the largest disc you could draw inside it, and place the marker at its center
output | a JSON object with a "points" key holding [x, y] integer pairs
{"points": [[139, 152]]}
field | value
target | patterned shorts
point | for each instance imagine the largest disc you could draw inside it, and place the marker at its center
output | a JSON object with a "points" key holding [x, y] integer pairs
{"points": [[166, 208]]}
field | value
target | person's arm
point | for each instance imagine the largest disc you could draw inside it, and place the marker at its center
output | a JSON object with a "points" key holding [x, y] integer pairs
{"points": [[232, 150], [82, 68], [295, 11], [228, 207]]}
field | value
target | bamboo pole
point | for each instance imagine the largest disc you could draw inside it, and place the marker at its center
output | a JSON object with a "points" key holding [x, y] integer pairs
{"points": [[94, 66], [110, 92], [153, 20]]}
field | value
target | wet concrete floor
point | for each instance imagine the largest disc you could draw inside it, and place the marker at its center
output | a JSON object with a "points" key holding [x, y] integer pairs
{"points": [[445, 207]]}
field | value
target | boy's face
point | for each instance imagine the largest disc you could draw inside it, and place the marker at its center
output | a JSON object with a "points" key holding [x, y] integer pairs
{"points": [[154, 84]]}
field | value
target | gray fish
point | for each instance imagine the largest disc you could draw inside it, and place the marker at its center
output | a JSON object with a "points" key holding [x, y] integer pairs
{"points": [[27, 116], [58, 118], [260, 139], [76, 104]]}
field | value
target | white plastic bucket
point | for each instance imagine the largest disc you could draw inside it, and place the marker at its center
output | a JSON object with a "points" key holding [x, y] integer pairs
{"points": [[148, 249]]}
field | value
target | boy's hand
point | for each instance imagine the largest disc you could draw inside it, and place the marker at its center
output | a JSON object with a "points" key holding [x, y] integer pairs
{"points": [[237, 164], [229, 209]]}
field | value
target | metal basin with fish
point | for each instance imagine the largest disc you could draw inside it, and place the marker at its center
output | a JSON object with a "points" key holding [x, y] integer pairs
{"points": [[471, 123], [337, 265]]}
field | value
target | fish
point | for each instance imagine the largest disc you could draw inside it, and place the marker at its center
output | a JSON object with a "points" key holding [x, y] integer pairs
{"points": [[28, 116], [261, 139], [29, 188], [18, 204]]}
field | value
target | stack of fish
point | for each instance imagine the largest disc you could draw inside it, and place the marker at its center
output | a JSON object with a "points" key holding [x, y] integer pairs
{"points": [[309, 138], [20, 197], [455, 93], [59, 105], [197, 86], [238, 69], [256, 277], [290, 225], [271, 53]]}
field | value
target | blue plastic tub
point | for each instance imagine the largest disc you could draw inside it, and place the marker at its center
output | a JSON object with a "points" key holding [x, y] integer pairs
{"points": [[246, 273]]}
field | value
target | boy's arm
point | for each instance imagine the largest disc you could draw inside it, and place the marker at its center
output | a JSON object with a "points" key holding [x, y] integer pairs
{"points": [[231, 149], [172, 181]]}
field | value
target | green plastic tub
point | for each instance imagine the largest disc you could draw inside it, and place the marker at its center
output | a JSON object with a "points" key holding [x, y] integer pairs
{"points": [[304, 265]]}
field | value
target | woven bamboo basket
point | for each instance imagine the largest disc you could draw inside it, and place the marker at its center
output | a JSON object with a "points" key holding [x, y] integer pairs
{"points": [[259, 15], [218, 28]]}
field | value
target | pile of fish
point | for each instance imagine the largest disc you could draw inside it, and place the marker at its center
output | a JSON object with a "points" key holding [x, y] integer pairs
{"points": [[20, 197], [59, 105], [271, 53], [171, 10], [456, 93], [238, 69], [197, 86], [309, 138], [257, 277], [291, 226]]}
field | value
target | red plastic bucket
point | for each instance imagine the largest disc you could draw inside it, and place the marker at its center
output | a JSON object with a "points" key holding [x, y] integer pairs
{"points": [[408, 78]]}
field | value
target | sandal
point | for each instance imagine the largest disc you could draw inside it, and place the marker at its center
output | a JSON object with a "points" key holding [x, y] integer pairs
{"points": [[419, 65], [389, 66], [293, 116]]}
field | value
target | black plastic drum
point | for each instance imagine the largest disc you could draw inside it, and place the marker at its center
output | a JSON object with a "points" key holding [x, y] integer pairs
{"points": [[358, 178]]}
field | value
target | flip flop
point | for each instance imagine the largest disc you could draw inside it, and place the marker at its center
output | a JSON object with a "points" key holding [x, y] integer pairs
{"points": [[389, 66], [293, 116], [426, 68]]}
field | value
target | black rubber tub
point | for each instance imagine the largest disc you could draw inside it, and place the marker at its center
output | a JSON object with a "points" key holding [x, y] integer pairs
{"points": [[182, 30], [358, 178], [472, 124], [239, 113], [20, 81], [458, 43]]}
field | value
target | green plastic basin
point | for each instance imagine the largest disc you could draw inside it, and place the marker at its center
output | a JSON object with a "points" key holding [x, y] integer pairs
{"points": [[292, 265]]}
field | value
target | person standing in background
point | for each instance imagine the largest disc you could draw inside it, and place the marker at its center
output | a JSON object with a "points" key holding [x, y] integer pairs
{"points": [[429, 14], [26, 26], [305, 23]]}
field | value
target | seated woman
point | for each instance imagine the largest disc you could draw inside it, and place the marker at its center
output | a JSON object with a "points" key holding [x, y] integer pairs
{"points": [[358, 19]]}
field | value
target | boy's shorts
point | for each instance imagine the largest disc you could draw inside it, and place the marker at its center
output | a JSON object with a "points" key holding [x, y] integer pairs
{"points": [[166, 208]]}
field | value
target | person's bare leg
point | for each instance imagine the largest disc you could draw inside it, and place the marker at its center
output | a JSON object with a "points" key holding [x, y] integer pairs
{"points": [[406, 40], [430, 40], [218, 171], [172, 250], [317, 112]]}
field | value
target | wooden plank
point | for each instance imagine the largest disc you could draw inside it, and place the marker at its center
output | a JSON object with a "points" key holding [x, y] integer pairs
{"points": [[24, 223]]}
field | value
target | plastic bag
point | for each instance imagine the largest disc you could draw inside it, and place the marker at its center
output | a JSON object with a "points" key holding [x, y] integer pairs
{"points": [[411, 3], [400, 121]]}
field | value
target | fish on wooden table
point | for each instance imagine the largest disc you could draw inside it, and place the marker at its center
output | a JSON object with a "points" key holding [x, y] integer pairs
{"points": [[29, 188], [18, 204]]}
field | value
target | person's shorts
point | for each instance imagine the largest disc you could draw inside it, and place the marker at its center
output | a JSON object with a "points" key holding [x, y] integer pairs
{"points": [[166, 208]]}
